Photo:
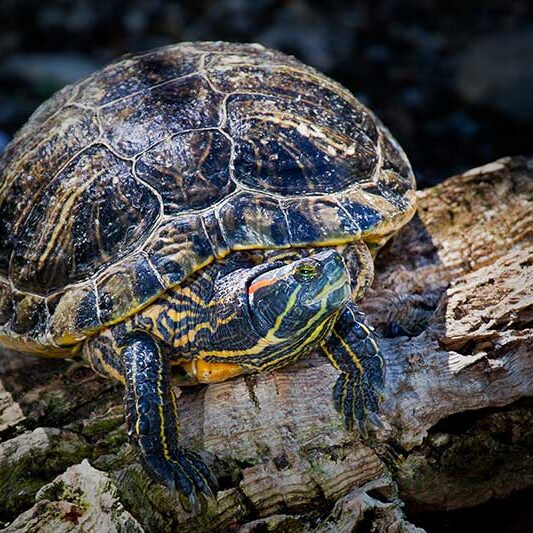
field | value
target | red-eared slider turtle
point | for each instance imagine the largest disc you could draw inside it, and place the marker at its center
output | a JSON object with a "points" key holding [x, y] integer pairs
{"points": [[209, 205]]}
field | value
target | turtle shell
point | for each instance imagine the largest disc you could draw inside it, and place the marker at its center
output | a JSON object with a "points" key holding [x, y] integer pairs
{"points": [[124, 184]]}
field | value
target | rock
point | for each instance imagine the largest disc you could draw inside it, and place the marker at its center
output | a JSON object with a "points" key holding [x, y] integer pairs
{"points": [[10, 411], [372, 507], [159, 510], [369, 508], [456, 469], [30, 460], [81, 499], [48, 391], [278, 523]]}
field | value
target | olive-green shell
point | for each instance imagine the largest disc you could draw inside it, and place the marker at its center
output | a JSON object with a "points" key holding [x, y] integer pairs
{"points": [[124, 184]]}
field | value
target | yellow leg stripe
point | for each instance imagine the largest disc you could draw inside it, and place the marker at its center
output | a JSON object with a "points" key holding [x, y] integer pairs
{"points": [[160, 406], [110, 370], [352, 355], [330, 357], [175, 410]]}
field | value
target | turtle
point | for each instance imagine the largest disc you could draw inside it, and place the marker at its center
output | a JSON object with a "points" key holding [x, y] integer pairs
{"points": [[203, 210]]}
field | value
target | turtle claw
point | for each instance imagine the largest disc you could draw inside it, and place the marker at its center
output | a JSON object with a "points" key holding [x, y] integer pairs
{"points": [[358, 404], [189, 502], [187, 475], [375, 420]]}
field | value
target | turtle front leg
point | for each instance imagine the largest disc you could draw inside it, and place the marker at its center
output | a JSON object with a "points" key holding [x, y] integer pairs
{"points": [[152, 417], [352, 349]]}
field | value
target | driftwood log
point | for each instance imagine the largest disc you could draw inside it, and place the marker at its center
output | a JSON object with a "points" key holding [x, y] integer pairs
{"points": [[453, 300]]}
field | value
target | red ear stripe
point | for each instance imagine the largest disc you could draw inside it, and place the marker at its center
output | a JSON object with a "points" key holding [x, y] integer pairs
{"points": [[258, 284]]}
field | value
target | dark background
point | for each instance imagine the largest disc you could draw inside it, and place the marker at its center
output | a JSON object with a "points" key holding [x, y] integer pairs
{"points": [[452, 79]]}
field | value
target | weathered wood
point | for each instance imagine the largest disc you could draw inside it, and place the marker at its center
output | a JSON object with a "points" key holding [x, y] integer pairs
{"points": [[457, 428]]}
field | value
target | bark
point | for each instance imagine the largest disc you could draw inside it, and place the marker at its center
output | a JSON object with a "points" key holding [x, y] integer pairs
{"points": [[453, 300]]}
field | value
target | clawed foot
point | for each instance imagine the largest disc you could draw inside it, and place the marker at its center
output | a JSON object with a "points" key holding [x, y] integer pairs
{"points": [[186, 474], [358, 402]]}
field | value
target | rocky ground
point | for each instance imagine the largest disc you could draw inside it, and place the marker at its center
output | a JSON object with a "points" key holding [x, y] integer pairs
{"points": [[452, 80]]}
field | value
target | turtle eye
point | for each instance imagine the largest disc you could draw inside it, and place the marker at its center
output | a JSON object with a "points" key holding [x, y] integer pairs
{"points": [[306, 273]]}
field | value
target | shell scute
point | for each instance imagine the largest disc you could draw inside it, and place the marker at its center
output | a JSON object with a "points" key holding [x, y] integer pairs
{"points": [[253, 221], [178, 248], [133, 75], [284, 151], [91, 214], [31, 162], [312, 221], [30, 314], [134, 124], [63, 308], [190, 170], [126, 286], [87, 315], [6, 302]]}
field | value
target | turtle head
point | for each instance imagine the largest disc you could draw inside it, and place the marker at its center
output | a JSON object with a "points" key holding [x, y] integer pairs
{"points": [[297, 302], [264, 316]]}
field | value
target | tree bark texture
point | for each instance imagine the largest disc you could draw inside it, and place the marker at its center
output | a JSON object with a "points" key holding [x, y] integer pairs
{"points": [[453, 301]]}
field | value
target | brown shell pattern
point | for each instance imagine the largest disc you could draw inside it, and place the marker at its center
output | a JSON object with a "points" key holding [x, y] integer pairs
{"points": [[126, 183]]}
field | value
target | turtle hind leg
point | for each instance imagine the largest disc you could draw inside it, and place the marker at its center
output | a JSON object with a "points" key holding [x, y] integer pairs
{"points": [[352, 349], [151, 414]]}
